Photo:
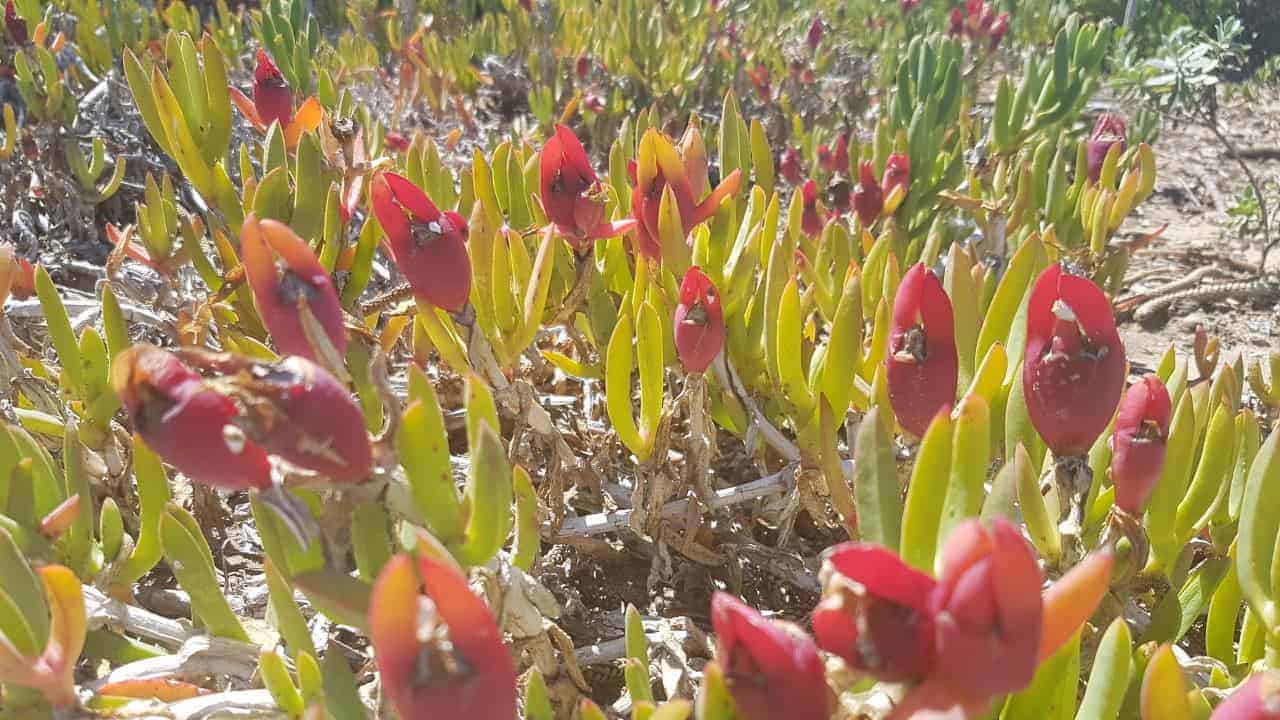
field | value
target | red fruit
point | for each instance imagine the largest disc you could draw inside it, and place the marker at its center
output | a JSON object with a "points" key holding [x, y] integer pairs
{"points": [[593, 102], [1074, 367], [875, 613], [922, 369], [571, 192], [811, 221], [1257, 698], [396, 142], [1109, 130], [186, 422], [999, 29], [272, 97], [814, 37], [438, 649], [790, 165], [281, 289], [759, 77], [16, 26], [1138, 442], [868, 197], [825, 159], [698, 321], [909, 5], [312, 420], [956, 27], [897, 173], [840, 154], [582, 66], [429, 246], [988, 609], [772, 671]]}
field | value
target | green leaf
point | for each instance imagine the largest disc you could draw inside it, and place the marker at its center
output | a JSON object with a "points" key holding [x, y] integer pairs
{"points": [[283, 609], [926, 493], [192, 564], [970, 455], [877, 493], [489, 495], [345, 599], [153, 495], [60, 332], [1109, 678]]}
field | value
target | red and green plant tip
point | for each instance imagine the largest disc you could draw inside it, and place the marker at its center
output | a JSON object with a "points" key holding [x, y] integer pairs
{"points": [[1074, 367], [789, 164], [1107, 131], [1258, 698], [772, 670], [572, 195], [429, 246], [868, 196], [922, 368], [52, 671], [698, 321], [285, 276], [436, 644], [988, 610], [16, 26], [189, 424], [1138, 443], [659, 166], [875, 613], [811, 220], [220, 430], [272, 97], [896, 180]]}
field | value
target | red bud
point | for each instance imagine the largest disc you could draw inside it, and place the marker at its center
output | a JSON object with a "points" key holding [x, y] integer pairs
{"points": [[922, 367], [1257, 698], [811, 220], [272, 97], [396, 142], [989, 610], [909, 5], [1074, 367], [840, 154], [1138, 443], [16, 26], [772, 671], [897, 173], [698, 321], [759, 77], [582, 66], [186, 422], [825, 159], [790, 165], [1109, 130], [429, 246], [956, 27], [814, 38], [281, 289], [868, 197], [999, 29], [875, 613], [440, 653]]}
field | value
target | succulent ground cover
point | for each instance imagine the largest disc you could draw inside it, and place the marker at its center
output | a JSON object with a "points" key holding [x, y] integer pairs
{"points": [[502, 359]]}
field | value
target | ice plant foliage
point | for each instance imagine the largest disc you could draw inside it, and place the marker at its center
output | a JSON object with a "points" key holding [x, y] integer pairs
{"points": [[922, 366], [1108, 131], [572, 195], [1139, 441], [772, 670], [660, 166], [220, 430], [437, 647], [428, 245], [1074, 367], [285, 289], [698, 321]]}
